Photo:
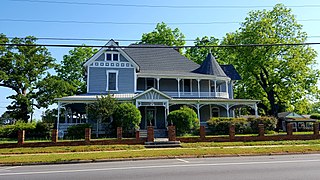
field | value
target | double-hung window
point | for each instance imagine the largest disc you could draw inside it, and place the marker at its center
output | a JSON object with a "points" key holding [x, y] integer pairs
{"points": [[112, 80]]}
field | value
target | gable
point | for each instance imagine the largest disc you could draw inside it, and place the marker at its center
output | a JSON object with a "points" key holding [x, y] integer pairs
{"points": [[99, 59], [152, 94]]}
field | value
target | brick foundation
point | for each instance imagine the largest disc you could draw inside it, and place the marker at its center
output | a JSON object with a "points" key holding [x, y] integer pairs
{"points": [[172, 133], [150, 134]]}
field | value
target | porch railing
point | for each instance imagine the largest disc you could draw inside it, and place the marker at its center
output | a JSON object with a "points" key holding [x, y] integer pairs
{"points": [[197, 94]]}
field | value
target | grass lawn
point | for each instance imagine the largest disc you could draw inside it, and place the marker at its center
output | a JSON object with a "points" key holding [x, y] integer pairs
{"points": [[95, 152]]}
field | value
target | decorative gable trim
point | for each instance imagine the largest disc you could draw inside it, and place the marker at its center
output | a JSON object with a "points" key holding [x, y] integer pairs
{"points": [[101, 51], [152, 93]]}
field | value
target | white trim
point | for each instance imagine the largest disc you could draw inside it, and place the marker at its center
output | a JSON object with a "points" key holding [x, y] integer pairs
{"points": [[151, 89], [117, 79], [182, 76], [135, 80], [88, 82], [112, 64]]}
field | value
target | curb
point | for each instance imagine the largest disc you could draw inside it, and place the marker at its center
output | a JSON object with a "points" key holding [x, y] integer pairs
{"points": [[153, 158]]}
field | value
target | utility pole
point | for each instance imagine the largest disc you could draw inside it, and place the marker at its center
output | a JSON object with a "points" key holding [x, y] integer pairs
{"points": [[31, 110]]}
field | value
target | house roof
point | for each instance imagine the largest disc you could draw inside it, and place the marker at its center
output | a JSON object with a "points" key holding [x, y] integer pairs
{"points": [[152, 59], [210, 66], [231, 71], [289, 115]]}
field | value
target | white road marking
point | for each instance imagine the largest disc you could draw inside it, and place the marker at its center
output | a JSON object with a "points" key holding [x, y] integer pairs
{"points": [[8, 168], [160, 166], [182, 160]]}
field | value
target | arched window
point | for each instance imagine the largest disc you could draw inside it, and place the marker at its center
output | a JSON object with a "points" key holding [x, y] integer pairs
{"points": [[215, 112]]}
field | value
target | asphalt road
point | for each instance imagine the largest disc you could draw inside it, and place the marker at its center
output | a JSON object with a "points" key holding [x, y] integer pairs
{"points": [[235, 168]]}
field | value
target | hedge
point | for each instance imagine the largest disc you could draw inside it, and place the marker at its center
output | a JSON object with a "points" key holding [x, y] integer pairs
{"points": [[33, 130], [243, 126], [315, 116], [77, 131]]}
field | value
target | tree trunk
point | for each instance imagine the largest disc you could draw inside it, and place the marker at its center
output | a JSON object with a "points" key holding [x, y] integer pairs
{"points": [[274, 106]]}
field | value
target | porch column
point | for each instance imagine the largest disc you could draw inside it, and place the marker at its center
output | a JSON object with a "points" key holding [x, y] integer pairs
{"points": [[178, 80], [87, 120], [198, 111], [215, 88], [58, 118], [65, 116], [158, 83], [166, 111], [227, 88], [227, 107], [209, 88], [198, 87], [256, 110]]}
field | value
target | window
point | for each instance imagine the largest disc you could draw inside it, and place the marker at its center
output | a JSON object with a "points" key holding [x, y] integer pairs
{"points": [[186, 84], [150, 83], [108, 57], [215, 112], [111, 56], [112, 80]]}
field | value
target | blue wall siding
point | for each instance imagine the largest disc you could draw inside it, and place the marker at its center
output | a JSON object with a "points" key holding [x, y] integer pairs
{"points": [[98, 80]]}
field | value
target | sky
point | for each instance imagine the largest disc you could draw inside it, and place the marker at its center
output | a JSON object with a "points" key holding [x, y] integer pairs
{"points": [[128, 20]]}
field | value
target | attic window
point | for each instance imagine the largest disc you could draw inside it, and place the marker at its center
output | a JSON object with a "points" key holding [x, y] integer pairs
{"points": [[110, 56]]}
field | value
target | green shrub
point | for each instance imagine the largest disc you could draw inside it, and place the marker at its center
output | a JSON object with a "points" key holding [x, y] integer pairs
{"points": [[315, 116], [41, 131], [77, 131], [269, 123], [221, 125], [243, 126], [11, 131], [185, 120], [127, 116]]}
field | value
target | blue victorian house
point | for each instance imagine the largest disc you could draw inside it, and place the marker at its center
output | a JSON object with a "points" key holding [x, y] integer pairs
{"points": [[157, 79]]}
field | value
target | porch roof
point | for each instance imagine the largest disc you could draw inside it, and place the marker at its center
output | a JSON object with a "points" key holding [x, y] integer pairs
{"points": [[90, 97]]}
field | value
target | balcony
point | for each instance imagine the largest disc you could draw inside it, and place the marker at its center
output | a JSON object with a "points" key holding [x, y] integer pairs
{"points": [[224, 95]]}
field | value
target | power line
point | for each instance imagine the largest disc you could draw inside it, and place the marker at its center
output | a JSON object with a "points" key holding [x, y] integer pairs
{"points": [[104, 40], [163, 6], [116, 23], [163, 47], [127, 23]]}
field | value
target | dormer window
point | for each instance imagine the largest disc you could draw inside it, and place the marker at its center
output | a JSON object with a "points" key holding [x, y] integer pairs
{"points": [[112, 56]]}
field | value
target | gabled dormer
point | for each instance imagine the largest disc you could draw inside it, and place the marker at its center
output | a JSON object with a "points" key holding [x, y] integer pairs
{"points": [[111, 70]]}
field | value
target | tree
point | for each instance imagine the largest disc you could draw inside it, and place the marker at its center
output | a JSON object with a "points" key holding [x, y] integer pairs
{"points": [[102, 110], [127, 116], [185, 120], [199, 54], [278, 75], [22, 69], [71, 69], [164, 35]]}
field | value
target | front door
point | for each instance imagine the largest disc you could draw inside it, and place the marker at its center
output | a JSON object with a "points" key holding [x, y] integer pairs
{"points": [[151, 116]]}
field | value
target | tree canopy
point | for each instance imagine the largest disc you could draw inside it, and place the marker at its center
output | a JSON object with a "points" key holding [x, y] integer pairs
{"points": [[164, 35], [280, 76], [199, 54], [22, 69], [71, 69]]}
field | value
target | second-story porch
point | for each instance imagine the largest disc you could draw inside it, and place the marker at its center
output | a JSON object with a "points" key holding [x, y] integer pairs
{"points": [[187, 87]]}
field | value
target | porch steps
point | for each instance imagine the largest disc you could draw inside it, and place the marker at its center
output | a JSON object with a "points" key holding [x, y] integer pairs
{"points": [[162, 143], [158, 133]]}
